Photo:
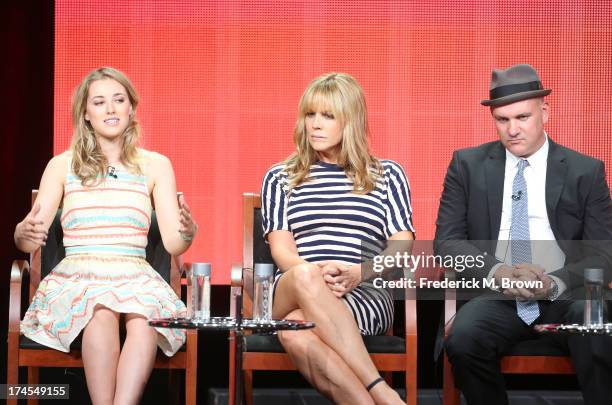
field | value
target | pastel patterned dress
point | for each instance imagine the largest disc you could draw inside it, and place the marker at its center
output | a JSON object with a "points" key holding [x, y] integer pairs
{"points": [[105, 234]]}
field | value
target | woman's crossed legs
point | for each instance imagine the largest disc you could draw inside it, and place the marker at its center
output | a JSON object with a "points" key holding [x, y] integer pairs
{"points": [[331, 356]]}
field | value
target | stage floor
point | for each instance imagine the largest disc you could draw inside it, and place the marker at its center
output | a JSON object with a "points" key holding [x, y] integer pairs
{"points": [[303, 396]]}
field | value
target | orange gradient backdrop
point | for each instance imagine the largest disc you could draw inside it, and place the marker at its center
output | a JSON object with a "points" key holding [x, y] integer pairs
{"points": [[219, 83]]}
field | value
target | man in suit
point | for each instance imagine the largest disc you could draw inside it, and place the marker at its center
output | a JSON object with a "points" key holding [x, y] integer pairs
{"points": [[497, 198]]}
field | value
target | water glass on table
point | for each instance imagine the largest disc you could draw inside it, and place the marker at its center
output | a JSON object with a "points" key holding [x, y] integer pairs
{"points": [[264, 279], [200, 291], [593, 300]]}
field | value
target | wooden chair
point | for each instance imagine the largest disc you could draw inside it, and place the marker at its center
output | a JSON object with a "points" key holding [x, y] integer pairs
{"points": [[389, 353], [23, 352], [528, 357]]}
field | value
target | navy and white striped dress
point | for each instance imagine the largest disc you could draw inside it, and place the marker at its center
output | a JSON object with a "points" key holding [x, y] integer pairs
{"points": [[330, 222]]}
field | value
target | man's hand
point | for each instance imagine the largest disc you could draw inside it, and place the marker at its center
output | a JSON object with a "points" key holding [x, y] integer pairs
{"points": [[506, 273], [532, 272], [524, 272]]}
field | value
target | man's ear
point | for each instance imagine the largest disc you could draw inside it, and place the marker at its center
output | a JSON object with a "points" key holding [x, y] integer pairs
{"points": [[545, 111]]}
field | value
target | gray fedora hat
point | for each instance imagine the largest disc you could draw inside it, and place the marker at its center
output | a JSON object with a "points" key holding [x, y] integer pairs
{"points": [[516, 83]]}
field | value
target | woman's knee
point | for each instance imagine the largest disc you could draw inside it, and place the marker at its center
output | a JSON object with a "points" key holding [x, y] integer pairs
{"points": [[295, 342], [105, 319], [102, 332], [137, 325], [287, 338], [307, 278]]}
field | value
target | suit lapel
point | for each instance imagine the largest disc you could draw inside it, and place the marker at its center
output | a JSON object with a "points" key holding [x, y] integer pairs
{"points": [[495, 167], [556, 171]]}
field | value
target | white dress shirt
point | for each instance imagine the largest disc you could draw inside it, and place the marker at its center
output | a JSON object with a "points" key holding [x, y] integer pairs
{"points": [[548, 255]]}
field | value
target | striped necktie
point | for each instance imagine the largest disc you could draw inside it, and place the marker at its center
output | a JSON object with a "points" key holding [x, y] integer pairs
{"points": [[520, 240]]}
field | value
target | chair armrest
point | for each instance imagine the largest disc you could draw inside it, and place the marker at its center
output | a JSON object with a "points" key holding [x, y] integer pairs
{"points": [[236, 289], [236, 275], [248, 291], [410, 308], [185, 272], [411, 317], [176, 271], [18, 268], [450, 303]]}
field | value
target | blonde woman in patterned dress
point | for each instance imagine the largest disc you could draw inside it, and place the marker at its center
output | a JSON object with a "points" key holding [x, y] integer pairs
{"points": [[106, 186], [318, 208]]}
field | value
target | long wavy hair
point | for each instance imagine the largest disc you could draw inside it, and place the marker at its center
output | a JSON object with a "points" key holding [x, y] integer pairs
{"points": [[88, 161], [340, 94]]}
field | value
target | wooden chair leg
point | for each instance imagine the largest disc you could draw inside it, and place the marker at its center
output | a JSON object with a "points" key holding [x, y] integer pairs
{"points": [[12, 372], [232, 369], [231, 392], [191, 368], [33, 379], [411, 386], [411, 367], [191, 377], [248, 387], [174, 394], [452, 396]]}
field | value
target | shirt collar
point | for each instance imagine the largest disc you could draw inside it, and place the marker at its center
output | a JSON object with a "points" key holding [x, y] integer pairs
{"points": [[537, 161]]}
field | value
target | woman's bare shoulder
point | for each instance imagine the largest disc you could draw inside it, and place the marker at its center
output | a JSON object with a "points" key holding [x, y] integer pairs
{"points": [[150, 156], [154, 163], [61, 162]]}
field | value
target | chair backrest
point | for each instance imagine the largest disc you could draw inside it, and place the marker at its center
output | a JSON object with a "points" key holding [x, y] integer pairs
{"points": [[261, 249], [255, 247]]}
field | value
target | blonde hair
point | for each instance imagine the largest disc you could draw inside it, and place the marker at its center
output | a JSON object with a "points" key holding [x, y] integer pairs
{"points": [[340, 94], [88, 161]]}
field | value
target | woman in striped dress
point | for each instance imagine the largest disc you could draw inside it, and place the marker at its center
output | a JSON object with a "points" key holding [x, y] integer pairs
{"points": [[105, 184], [319, 207]]}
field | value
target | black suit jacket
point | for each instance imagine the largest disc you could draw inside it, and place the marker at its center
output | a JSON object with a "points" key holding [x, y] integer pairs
{"points": [[577, 201]]}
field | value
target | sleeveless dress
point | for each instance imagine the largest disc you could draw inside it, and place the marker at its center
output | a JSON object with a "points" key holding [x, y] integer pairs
{"points": [[105, 234]]}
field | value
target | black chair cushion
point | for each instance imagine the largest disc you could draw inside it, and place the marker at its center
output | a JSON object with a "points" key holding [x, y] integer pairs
{"points": [[374, 344], [536, 347], [385, 344]]}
